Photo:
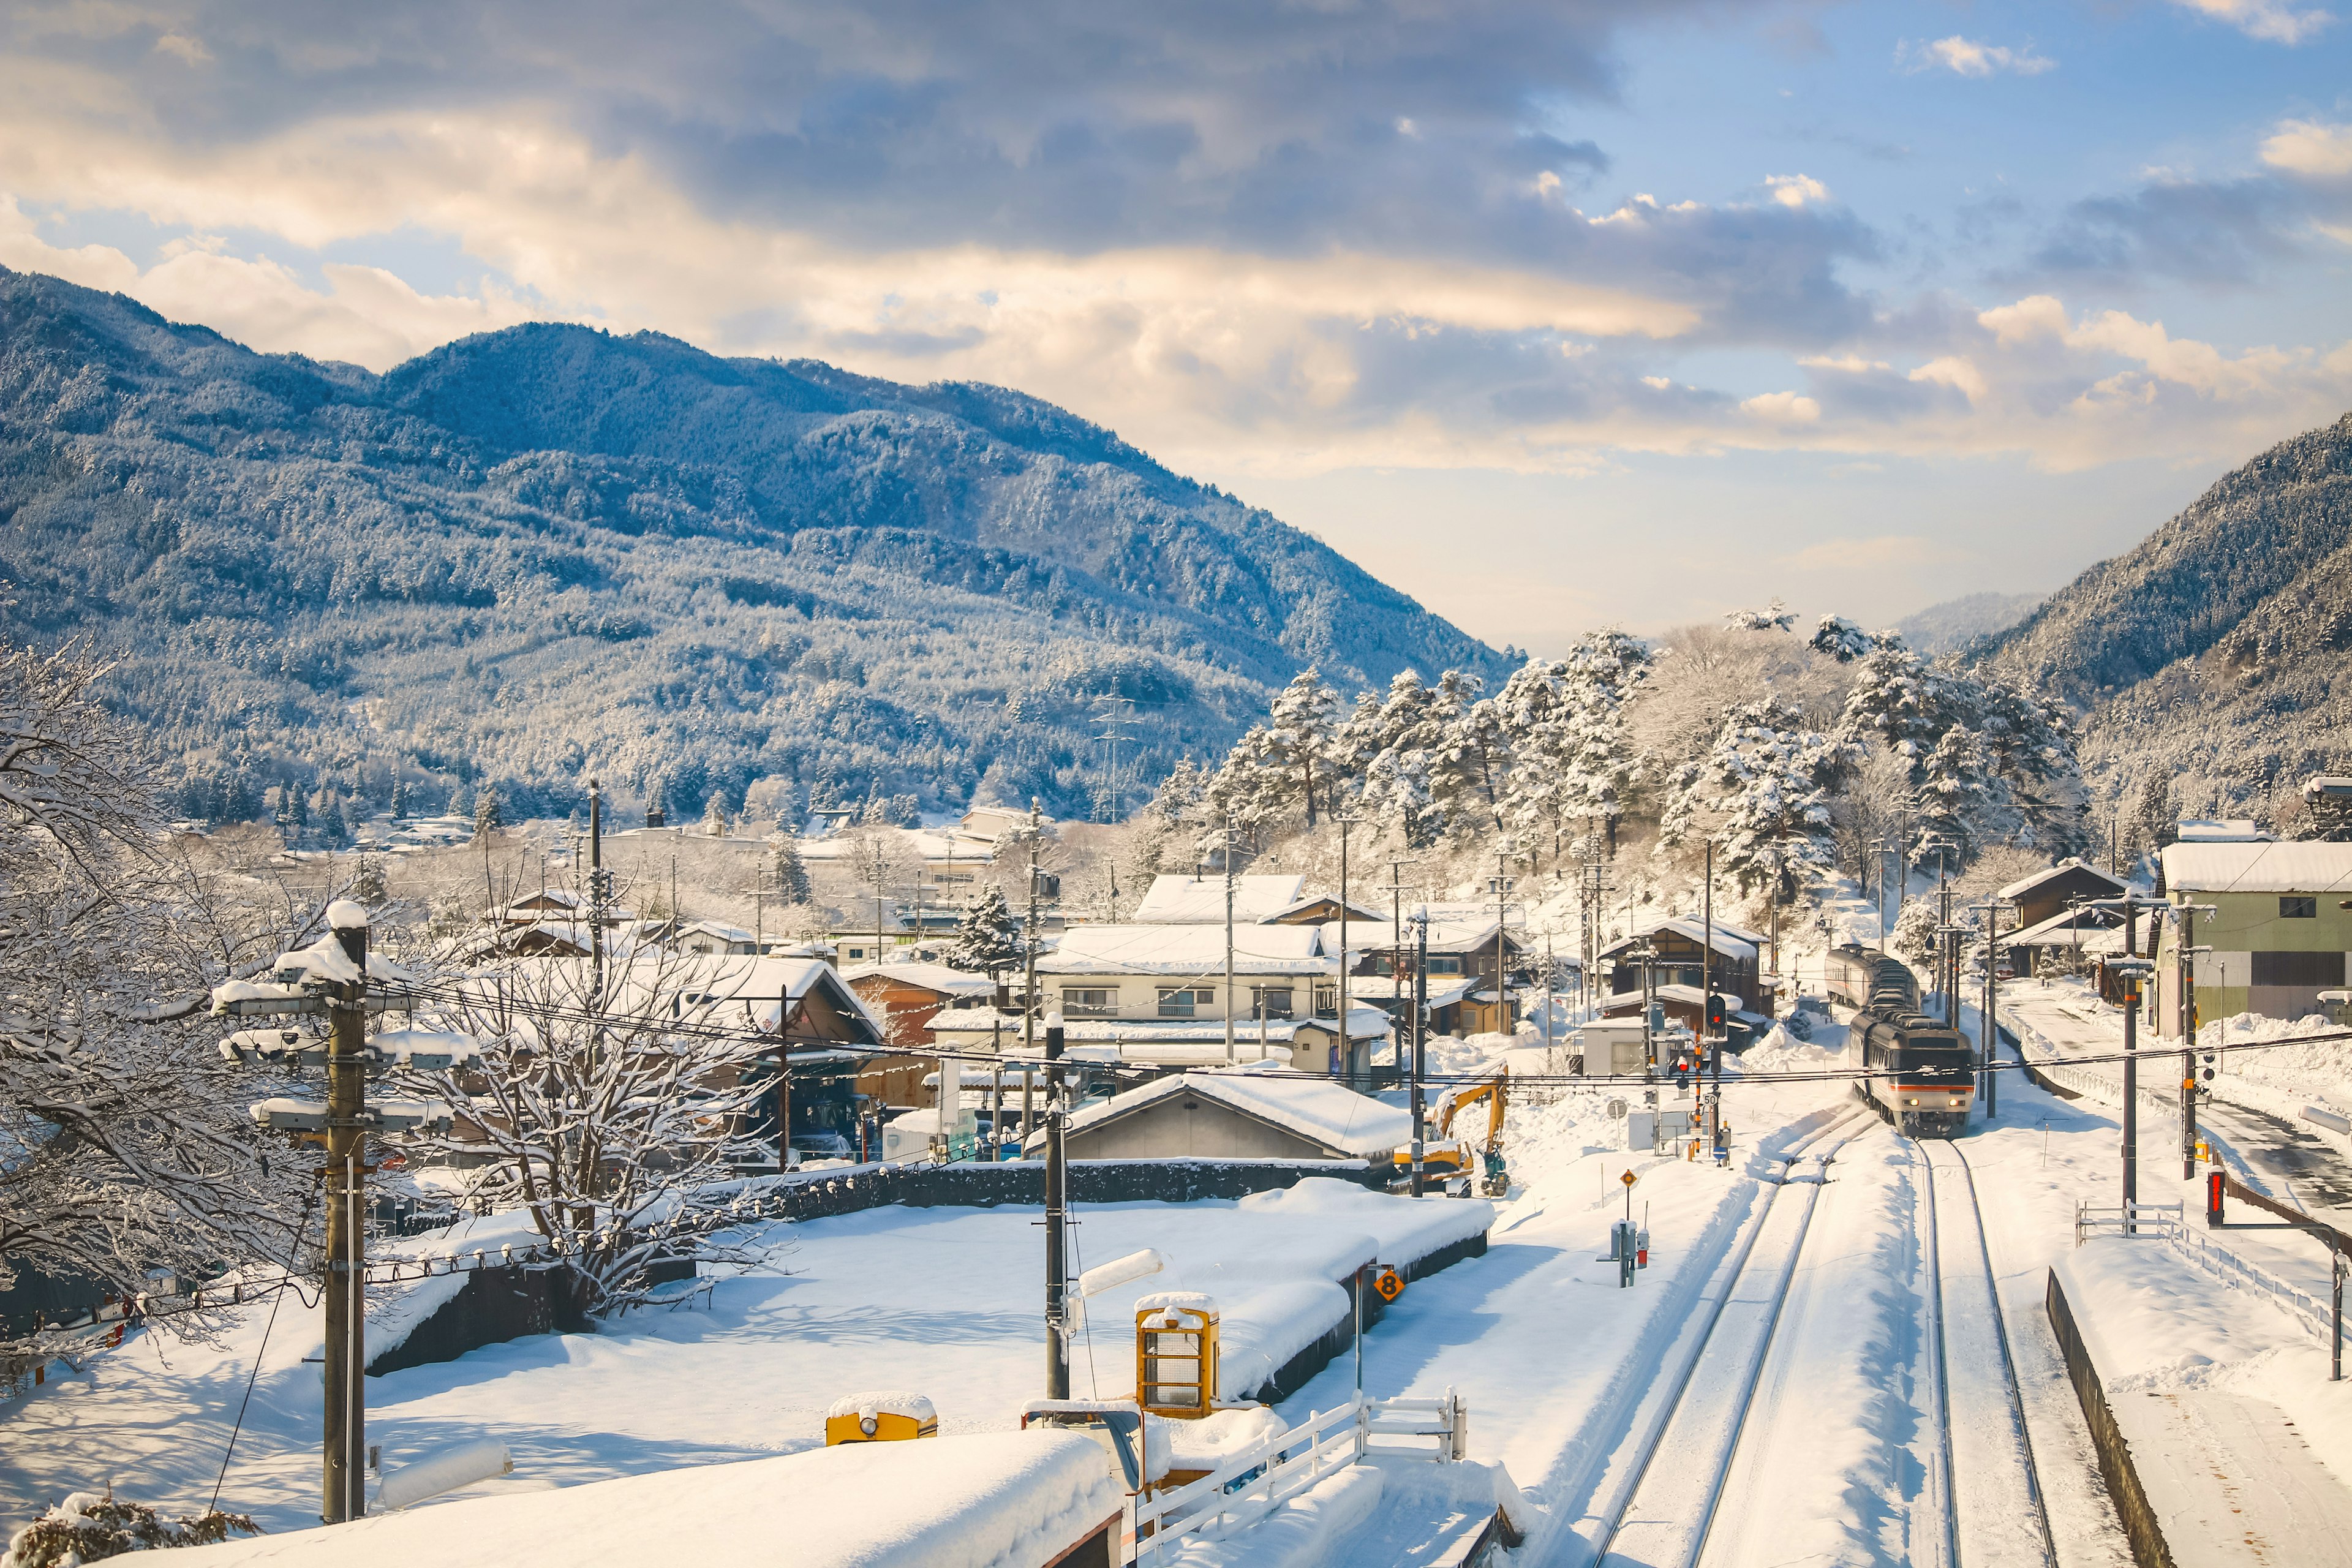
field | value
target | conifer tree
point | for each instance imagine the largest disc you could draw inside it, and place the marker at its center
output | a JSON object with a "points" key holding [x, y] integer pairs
{"points": [[487, 820], [791, 875], [988, 939]]}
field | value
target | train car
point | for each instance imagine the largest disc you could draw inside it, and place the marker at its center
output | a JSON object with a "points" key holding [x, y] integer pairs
{"points": [[1922, 1076], [1861, 977]]}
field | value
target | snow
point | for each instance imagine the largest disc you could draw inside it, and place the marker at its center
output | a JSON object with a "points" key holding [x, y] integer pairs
{"points": [[1317, 1108], [983, 1500], [1200, 901], [2302, 867], [929, 976], [1196, 951], [2025, 885]]}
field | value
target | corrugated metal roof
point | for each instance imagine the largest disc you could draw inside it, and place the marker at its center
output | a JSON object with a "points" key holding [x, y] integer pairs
{"points": [[2306, 866], [2026, 884]]}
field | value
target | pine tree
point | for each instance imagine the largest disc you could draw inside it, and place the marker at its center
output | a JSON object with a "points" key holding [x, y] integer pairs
{"points": [[1299, 736], [1470, 764], [1762, 792], [792, 876], [1840, 639], [988, 940], [368, 886], [399, 798], [1404, 733], [486, 813]]}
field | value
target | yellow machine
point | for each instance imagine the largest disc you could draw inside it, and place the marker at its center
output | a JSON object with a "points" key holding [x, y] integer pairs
{"points": [[1456, 1157], [1176, 1354], [880, 1417]]}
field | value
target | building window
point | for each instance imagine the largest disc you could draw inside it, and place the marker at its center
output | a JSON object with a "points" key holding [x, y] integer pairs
{"points": [[1186, 1001], [1078, 1004], [1271, 1000], [2299, 908], [2298, 969], [1446, 963], [1327, 1001]]}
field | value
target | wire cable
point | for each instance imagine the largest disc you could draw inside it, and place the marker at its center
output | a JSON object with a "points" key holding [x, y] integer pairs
{"points": [[277, 1298]]}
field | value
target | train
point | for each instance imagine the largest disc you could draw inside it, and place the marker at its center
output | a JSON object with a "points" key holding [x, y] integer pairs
{"points": [[1921, 1074]]}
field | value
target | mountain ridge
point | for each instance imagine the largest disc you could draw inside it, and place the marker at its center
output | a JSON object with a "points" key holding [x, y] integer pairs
{"points": [[536, 550]]}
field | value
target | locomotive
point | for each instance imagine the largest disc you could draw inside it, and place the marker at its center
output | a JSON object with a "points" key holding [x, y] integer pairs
{"points": [[1922, 1076]]}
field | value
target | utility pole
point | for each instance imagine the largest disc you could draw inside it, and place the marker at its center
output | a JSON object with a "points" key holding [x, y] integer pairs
{"points": [[1058, 1272], [2185, 990], [1347, 1041], [1029, 952], [1714, 1041], [1228, 1008], [1419, 1038], [2131, 969], [1397, 863], [1987, 1016], [345, 1363], [1502, 921]]}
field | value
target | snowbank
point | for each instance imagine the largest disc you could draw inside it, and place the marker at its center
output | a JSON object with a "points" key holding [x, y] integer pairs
{"points": [[1011, 1500]]}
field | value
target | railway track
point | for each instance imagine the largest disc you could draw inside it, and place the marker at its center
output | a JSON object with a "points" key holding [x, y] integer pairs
{"points": [[1990, 1510], [1662, 1512]]}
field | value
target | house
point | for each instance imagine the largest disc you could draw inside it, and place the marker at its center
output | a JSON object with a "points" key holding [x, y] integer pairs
{"points": [[1683, 964], [836, 1066], [1323, 909], [906, 995], [2055, 890], [1157, 993], [1246, 1113], [702, 936], [1200, 901], [2066, 941], [1469, 945], [2279, 932]]}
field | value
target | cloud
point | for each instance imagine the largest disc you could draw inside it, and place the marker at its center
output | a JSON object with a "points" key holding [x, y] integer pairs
{"points": [[2311, 148], [1880, 551], [2196, 231], [1796, 190], [1964, 57], [2274, 21]]}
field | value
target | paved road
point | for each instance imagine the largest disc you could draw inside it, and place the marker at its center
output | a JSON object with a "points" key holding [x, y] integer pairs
{"points": [[2287, 1154]]}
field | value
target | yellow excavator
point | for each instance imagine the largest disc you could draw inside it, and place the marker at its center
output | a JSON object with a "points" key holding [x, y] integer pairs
{"points": [[1449, 1159]]}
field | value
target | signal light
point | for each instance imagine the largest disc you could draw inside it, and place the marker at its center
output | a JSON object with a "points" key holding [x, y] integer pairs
{"points": [[2213, 1197], [1715, 1010]]}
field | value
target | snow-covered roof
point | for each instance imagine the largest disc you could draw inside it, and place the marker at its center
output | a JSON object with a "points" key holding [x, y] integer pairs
{"points": [[2219, 830], [1196, 951], [1200, 901], [929, 976], [2300, 866], [2026, 884], [1338, 1118], [979, 1497], [1728, 941], [2064, 927], [1689, 995], [1357, 914], [986, 1023], [1444, 990]]}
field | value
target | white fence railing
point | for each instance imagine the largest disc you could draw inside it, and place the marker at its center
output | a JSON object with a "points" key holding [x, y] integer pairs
{"points": [[2158, 1221], [1262, 1477]]}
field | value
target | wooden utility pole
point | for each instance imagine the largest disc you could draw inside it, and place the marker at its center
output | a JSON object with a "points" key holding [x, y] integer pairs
{"points": [[1419, 1039], [1347, 1041], [1228, 1008], [345, 1363], [1058, 1272], [1029, 945]]}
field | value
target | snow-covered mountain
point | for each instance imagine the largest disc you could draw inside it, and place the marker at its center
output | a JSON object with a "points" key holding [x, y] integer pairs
{"points": [[2217, 651], [550, 550], [1952, 625]]}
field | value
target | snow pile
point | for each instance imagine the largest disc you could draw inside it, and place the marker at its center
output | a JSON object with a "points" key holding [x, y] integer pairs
{"points": [[1209, 1442], [992, 1500], [1318, 1109], [1781, 1052]]}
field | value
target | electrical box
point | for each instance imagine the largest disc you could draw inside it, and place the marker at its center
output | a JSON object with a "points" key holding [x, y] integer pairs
{"points": [[1613, 1047], [1641, 1130]]}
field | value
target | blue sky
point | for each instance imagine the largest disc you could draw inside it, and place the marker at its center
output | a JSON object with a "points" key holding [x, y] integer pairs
{"points": [[1551, 314]]}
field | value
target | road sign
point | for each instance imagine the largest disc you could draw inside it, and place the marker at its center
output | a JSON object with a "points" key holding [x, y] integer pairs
{"points": [[1388, 1284], [1629, 1178]]}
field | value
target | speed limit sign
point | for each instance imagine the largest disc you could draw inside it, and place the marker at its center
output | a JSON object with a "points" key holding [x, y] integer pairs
{"points": [[1388, 1284]]}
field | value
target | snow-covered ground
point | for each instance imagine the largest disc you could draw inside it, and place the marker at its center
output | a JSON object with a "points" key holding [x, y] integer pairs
{"points": [[1768, 1390]]}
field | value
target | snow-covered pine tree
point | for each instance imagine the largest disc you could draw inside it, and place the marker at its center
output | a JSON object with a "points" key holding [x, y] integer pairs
{"points": [[1469, 766], [399, 798], [1840, 639], [487, 820], [1775, 616], [792, 874], [1299, 733], [1397, 786], [988, 939], [1762, 792]]}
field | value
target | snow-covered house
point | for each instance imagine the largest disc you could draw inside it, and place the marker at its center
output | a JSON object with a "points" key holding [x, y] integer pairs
{"points": [[1684, 967], [1469, 947], [2280, 933], [2057, 890], [1253, 1112], [1157, 993], [1200, 901], [908, 995]]}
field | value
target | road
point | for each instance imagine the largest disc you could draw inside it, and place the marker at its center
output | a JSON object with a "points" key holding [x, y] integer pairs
{"points": [[2291, 1157]]}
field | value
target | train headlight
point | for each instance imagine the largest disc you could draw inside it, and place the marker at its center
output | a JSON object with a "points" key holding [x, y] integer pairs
{"points": [[1910, 1102], [1956, 1100]]}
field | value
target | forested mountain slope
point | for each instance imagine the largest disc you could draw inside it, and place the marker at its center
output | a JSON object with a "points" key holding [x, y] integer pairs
{"points": [[2216, 652], [549, 549]]}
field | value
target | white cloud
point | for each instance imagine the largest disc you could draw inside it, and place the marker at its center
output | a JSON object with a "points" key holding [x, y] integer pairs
{"points": [[1783, 408], [2311, 148], [1880, 551], [2274, 21], [1796, 190], [1966, 56]]}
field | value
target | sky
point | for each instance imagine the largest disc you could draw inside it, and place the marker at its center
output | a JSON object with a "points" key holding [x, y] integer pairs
{"points": [[1553, 313]]}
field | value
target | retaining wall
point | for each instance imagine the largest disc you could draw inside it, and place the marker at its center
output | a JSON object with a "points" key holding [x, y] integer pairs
{"points": [[2115, 1468]]}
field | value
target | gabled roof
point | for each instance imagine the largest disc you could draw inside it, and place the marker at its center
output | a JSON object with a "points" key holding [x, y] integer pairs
{"points": [[2063, 928], [1343, 1122], [2300, 866], [2069, 865], [1190, 951], [935, 977], [2219, 830], [1729, 940], [1357, 913], [1200, 901]]}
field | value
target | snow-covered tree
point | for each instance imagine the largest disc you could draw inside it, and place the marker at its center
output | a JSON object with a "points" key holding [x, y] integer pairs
{"points": [[487, 820], [1840, 639], [127, 1143], [1403, 734], [1299, 733], [1775, 616], [607, 1107], [1762, 793], [988, 939], [791, 872], [1469, 765]]}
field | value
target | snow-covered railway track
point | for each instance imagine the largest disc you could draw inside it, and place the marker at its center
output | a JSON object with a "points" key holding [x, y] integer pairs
{"points": [[1662, 1515], [1992, 1513]]}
